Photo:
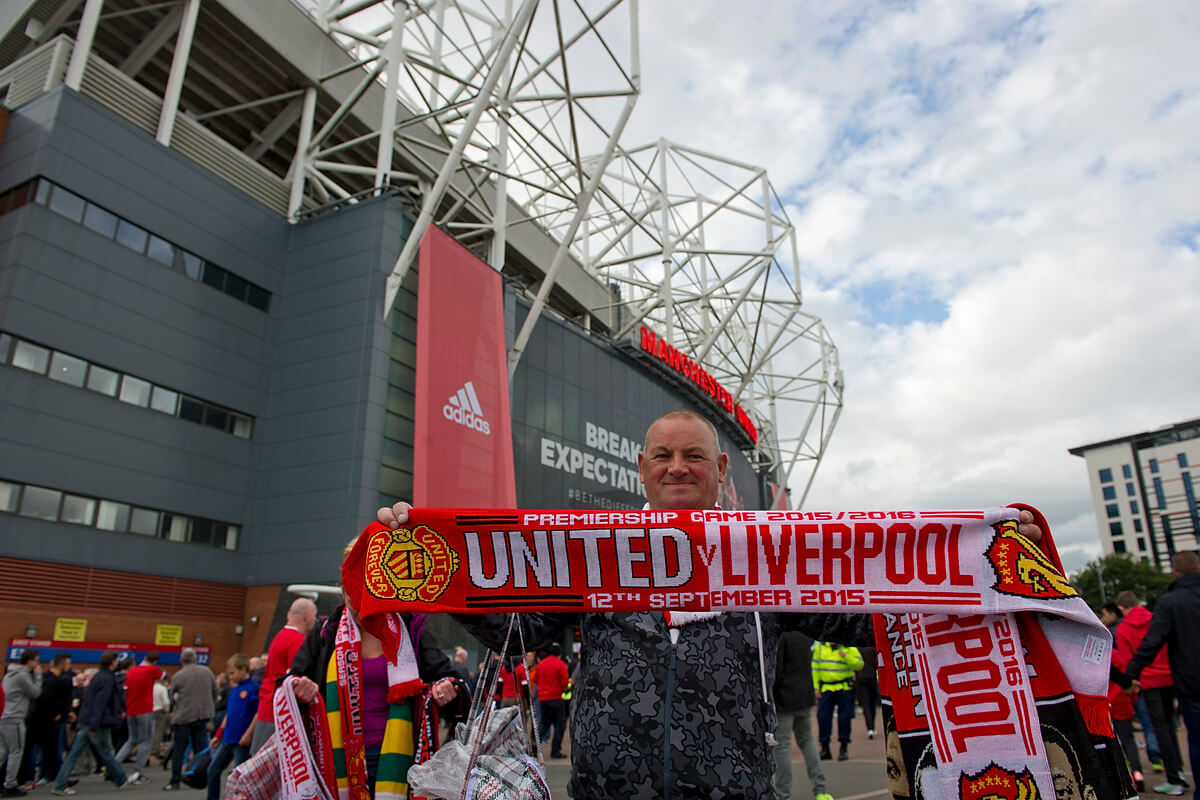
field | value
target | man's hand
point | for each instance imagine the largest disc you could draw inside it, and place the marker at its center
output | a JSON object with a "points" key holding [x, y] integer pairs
{"points": [[214, 744], [397, 515], [306, 690], [1025, 525]]}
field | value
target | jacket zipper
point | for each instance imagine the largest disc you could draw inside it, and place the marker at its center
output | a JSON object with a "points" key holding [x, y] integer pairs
{"points": [[674, 633]]}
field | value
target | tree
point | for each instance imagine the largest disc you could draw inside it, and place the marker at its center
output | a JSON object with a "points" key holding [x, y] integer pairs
{"points": [[1121, 572]]}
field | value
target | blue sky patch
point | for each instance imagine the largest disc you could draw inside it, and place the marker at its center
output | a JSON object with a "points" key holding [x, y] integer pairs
{"points": [[1186, 234], [899, 303]]}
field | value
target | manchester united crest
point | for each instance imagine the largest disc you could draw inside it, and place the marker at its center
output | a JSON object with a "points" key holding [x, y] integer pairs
{"points": [[997, 783], [1022, 570], [409, 564]]}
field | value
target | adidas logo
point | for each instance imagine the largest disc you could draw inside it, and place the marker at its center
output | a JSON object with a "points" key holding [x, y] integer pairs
{"points": [[463, 408]]}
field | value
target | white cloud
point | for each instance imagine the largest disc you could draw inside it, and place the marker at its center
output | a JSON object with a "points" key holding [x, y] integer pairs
{"points": [[1030, 166]]}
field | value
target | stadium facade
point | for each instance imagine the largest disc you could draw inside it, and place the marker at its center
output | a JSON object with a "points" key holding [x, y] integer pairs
{"points": [[209, 306]]}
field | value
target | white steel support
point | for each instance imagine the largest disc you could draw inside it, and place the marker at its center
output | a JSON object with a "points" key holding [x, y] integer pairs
{"points": [[585, 199], [300, 162], [391, 98], [451, 164], [83, 44], [183, 49]]}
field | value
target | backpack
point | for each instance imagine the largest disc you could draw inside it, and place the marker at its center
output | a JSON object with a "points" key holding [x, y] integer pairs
{"points": [[196, 776]]}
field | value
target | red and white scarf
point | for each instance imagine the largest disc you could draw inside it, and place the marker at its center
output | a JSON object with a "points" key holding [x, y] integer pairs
{"points": [[963, 585]]}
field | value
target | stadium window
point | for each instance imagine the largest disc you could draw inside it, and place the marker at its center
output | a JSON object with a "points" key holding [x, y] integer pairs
{"points": [[10, 495], [135, 391], [1154, 465], [144, 521], [132, 236], [1158, 493], [161, 251], [78, 510], [103, 381], [1129, 490], [40, 503], [213, 275], [1183, 461], [68, 369], [1115, 529], [100, 221], [67, 204], [1110, 493], [29, 356], [1113, 510], [1141, 544], [164, 400], [1137, 525], [1133, 507], [1118, 546], [113, 516], [1106, 475], [1126, 471]]}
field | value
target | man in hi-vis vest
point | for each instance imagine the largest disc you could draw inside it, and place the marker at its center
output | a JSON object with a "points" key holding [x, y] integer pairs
{"points": [[833, 668]]}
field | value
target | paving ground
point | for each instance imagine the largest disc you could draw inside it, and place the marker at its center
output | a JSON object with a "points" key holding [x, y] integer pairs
{"points": [[860, 778]]}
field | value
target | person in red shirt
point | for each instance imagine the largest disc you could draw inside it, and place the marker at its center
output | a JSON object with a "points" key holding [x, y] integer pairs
{"points": [[139, 713], [552, 676], [301, 618], [1156, 687]]}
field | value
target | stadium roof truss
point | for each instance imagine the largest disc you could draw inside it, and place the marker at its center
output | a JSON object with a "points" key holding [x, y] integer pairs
{"points": [[504, 127]]}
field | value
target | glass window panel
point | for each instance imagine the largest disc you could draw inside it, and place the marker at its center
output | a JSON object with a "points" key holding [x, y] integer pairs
{"points": [[192, 264], [101, 221], [397, 456], [214, 276], [40, 503], [1106, 475], [135, 391], [202, 531], [68, 369], [231, 537], [164, 400], [242, 426], [28, 355], [191, 409], [1115, 528], [1118, 546], [1129, 488], [174, 527], [112, 516], [144, 521], [1154, 465], [1137, 525], [394, 483], [69, 204], [6, 342], [258, 297], [132, 236], [1112, 510], [1110, 493], [79, 510], [43, 192], [397, 428], [1183, 460], [235, 287], [216, 418], [1126, 470], [10, 493], [104, 381], [161, 251]]}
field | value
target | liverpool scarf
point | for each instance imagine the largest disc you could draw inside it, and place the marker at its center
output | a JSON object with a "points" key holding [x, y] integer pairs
{"points": [[982, 637]]}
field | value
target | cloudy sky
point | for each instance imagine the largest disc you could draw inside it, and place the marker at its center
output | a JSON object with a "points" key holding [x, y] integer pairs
{"points": [[998, 210]]}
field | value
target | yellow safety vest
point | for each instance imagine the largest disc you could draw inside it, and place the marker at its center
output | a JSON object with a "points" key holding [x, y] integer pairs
{"points": [[834, 665]]}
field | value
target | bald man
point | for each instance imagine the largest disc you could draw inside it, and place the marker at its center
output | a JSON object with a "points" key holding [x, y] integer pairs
{"points": [[301, 618]]}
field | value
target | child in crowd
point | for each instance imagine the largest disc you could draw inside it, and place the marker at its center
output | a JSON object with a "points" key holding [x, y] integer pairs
{"points": [[231, 743]]}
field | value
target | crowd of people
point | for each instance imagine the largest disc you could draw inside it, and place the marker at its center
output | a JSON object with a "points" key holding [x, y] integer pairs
{"points": [[674, 705]]}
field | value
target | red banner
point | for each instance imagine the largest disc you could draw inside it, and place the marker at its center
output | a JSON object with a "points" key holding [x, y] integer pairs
{"points": [[463, 432]]}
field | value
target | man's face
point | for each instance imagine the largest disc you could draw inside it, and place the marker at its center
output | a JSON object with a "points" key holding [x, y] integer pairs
{"points": [[682, 465], [33, 665]]}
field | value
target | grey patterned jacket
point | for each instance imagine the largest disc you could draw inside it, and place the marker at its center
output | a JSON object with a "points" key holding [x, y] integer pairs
{"points": [[654, 720]]}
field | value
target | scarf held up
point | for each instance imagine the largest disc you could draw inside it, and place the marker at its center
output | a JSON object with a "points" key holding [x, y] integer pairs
{"points": [[953, 592]]}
